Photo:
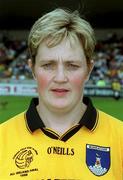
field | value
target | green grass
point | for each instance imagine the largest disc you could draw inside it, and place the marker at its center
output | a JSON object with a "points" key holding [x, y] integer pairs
{"points": [[110, 106], [17, 104]]}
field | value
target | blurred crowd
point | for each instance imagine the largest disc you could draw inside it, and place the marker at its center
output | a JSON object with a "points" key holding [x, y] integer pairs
{"points": [[13, 60], [108, 61]]}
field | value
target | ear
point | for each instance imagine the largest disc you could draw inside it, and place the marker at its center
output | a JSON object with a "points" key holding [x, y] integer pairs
{"points": [[30, 63], [91, 65], [90, 68], [31, 66]]}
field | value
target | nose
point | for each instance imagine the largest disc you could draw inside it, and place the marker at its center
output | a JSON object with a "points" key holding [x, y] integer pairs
{"points": [[60, 75]]}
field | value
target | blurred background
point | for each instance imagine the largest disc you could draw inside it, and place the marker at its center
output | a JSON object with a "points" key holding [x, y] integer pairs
{"points": [[17, 86]]}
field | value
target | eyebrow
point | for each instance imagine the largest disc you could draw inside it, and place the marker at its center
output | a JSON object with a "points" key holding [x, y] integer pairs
{"points": [[46, 60], [55, 61]]}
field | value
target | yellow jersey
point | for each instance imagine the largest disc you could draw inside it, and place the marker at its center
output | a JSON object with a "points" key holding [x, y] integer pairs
{"points": [[90, 150]]}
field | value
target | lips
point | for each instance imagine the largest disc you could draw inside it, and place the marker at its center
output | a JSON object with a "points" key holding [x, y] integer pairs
{"points": [[60, 92]]}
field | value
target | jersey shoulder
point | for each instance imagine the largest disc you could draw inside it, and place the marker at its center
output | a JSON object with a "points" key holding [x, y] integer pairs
{"points": [[12, 122], [109, 122], [109, 117]]}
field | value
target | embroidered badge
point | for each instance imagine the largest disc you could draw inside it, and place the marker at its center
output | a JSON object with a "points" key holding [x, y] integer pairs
{"points": [[24, 157], [98, 159]]}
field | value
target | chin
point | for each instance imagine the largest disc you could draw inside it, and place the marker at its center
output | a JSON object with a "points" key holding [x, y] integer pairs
{"points": [[62, 107]]}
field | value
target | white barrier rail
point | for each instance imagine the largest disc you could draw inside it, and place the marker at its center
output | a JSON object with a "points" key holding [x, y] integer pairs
{"points": [[18, 89], [31, 90]]}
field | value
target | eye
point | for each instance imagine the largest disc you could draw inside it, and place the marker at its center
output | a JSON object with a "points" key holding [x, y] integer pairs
{"points": [[48, 66], [72, 66]]}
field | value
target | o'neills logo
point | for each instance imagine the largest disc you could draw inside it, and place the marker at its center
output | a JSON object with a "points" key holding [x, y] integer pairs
{"points": [[60, 150], [24, 157]]}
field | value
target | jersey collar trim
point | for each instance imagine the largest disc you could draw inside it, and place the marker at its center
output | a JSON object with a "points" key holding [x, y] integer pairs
{"points": [[89, 118], [34, 121]]}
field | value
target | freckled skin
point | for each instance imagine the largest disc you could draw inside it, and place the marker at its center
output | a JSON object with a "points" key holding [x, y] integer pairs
{"points": [[58, 75]]}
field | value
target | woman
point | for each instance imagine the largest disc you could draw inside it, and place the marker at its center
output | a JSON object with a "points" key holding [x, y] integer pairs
{"points": [[61, 135]]}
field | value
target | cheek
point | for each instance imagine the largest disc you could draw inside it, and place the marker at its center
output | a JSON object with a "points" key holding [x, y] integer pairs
{"points": [[42, 81], [78, 81]]}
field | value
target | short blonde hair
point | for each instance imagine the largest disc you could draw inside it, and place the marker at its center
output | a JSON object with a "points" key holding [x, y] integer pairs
{"points": [[58, 24]]}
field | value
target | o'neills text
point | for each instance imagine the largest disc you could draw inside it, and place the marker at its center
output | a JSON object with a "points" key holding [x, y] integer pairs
{"points": [[60, 150]]}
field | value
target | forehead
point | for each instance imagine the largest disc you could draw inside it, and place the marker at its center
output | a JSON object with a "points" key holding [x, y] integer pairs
{"points": [[64, 50]]}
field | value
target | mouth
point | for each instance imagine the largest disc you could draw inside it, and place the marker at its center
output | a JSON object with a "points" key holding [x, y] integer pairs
{"points": [[60, 92]]}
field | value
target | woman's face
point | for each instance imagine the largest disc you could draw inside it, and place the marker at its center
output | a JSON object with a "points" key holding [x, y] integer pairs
{"points": [[61, 73]]}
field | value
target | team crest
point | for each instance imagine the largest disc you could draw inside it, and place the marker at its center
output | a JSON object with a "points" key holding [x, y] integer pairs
{"points": [[98, 159]]}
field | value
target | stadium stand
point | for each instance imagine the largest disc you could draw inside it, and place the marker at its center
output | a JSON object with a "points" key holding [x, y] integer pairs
{"points": [[109, 61]]}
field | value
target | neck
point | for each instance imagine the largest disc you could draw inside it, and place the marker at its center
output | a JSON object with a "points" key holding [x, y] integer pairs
{"points": [[61, 121]]}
